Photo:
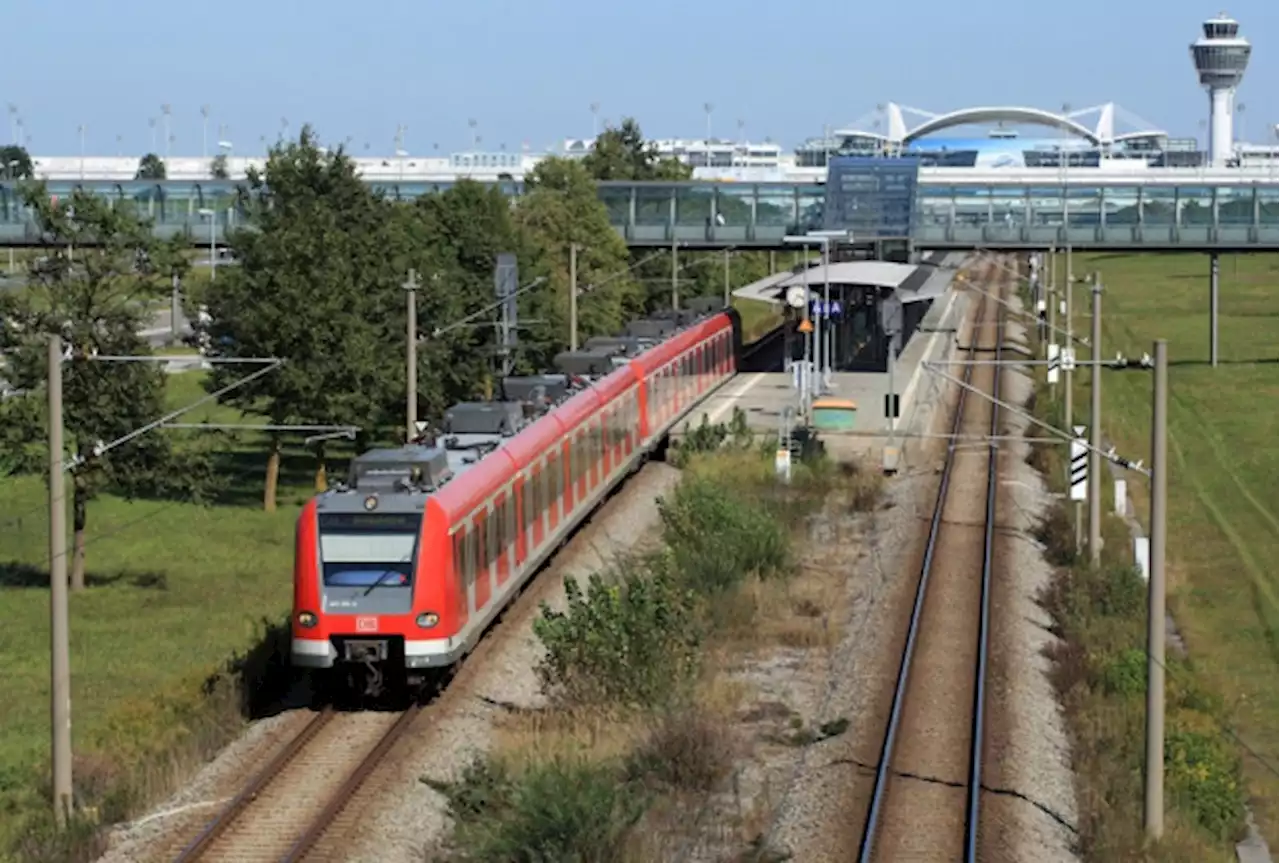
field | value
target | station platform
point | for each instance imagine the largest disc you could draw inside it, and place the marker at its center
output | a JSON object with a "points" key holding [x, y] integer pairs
{"points": [[766, 395]]}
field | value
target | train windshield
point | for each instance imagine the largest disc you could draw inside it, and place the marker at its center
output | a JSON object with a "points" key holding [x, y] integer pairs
{"points": [[368, 550]]}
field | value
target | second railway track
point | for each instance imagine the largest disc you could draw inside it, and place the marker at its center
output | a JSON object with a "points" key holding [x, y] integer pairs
{"points": [[926, 798]]}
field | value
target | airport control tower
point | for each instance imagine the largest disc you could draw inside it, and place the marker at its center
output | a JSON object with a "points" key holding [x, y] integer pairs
{"points": [[1220, 57]]}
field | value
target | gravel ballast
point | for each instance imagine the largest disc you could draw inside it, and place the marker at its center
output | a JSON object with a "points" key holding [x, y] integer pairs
{"points": [[410, 821]]}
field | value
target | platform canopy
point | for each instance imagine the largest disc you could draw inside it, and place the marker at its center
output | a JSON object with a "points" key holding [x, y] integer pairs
{"points": [[877, 274], [910, 282]]}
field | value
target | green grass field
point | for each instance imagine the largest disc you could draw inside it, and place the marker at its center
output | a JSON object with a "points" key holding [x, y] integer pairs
{"points": [[1222, 472], [175, 589]]}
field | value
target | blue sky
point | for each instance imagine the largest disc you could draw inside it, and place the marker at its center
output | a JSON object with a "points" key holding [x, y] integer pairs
{"points": [[528, 71]]}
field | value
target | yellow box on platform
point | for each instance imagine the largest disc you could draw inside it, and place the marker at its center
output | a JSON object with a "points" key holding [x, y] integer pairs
{"points": [[835, 415]]}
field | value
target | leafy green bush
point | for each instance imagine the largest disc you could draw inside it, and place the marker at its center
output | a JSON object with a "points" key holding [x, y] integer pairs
{"points": [[1124, 673], [630, 639], [1203, 774], [708, 437], [566, 810], [717, 539]]}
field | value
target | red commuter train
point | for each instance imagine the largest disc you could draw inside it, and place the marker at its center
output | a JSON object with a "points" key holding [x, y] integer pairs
{"points": [[402, 568]]}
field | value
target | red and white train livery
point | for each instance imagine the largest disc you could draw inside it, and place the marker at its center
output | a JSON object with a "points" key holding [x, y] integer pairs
{"points": [[404, 567]]}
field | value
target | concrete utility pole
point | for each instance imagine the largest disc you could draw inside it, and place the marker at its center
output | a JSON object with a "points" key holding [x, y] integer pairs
{"points": [[1053, 302], [573, 296], [675, 273], [1213, 309], [1066, 368], [58, 618], [1095, 430], [1153, 797], [411, 361]]}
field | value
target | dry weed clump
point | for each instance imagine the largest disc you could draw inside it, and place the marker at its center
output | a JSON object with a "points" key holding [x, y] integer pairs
{"points": [[686, 748]]}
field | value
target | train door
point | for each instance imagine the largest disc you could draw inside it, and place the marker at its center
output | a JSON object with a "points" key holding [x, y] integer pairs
{"points": [[521, 516], [555, 484], [609, 437], [483, 579], [631, 421], [579, 475], [461, 578], [537, 489], [503, 507], [471, 556], [571, 496]]}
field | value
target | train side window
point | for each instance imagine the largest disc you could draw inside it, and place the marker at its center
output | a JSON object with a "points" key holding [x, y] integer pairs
{"points": [[471, 555], [500, 513], [508, 525], [492, 538], [548, 482], [460, 554], [526, 504]]}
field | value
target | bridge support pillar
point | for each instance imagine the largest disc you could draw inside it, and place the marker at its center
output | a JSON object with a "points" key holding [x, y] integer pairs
{"points": [[1213, 309]]}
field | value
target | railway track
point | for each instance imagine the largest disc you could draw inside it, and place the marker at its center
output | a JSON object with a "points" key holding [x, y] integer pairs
{"points": [[284, 810], [926, 799], [306, 791]]}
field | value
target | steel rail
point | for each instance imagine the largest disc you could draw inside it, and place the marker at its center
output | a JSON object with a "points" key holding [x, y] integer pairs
{"points": [[229, 813], [343, 796], [984, 621], [883, 768]]}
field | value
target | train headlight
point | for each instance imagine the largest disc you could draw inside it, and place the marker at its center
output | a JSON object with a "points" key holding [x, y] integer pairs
{"points": [[307, 619], [428, 619]]}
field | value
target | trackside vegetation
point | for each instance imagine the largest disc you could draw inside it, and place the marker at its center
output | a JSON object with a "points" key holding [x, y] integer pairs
{"points": [[634, 669], [1100, 673], [184, 538]]}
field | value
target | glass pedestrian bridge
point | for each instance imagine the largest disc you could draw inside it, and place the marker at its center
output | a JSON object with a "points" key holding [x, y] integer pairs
{"points": [[952, 209]]}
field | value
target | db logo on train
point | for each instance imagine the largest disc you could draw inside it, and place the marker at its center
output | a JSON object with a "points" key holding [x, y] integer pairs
{"points": [[366, 624]]}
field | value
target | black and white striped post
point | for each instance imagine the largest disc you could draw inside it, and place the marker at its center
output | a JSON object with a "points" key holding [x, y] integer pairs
{"points": [[1078, 476]]}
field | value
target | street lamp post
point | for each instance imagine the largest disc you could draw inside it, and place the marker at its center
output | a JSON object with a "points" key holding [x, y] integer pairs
{"points": [[213, 235]]}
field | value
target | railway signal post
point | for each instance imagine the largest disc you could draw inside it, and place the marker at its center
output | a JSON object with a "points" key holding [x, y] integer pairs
{"points": [[1079, 476], [60, 665], [1153, 796]]}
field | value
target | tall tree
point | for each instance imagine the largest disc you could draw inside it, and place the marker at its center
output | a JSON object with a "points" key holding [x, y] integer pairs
{"points": [[314, 287], [150, 167], [15, 163], [471, 225], [99, 266], [622, 153], [560, 208]]}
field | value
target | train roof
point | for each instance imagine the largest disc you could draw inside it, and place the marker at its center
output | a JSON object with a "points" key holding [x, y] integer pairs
{"points": [[486, 440]]}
